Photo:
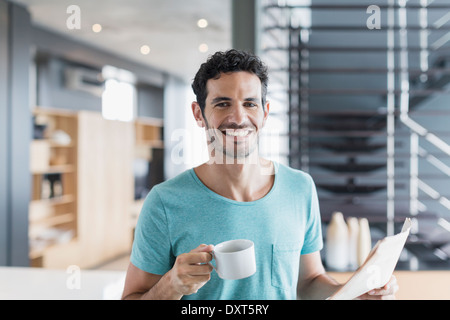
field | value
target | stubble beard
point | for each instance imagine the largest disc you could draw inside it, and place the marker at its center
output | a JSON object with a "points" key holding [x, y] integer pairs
{"points": [[220, 151]]}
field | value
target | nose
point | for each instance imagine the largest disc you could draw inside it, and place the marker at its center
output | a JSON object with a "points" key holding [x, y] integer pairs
{"points": [[238, 115]]}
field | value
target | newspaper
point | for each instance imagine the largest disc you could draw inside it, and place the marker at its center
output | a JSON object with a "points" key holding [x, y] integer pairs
{"points": [[378, 267]]}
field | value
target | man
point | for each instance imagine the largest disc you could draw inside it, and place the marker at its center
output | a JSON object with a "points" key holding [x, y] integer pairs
{"points": [[235, 195]]}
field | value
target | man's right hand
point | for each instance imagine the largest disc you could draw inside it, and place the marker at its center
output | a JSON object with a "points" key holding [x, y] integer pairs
{"points": [[189, 273], [191, 270]]}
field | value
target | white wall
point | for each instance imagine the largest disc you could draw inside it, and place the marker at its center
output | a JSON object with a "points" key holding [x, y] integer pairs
{"points": [[185, 142]]}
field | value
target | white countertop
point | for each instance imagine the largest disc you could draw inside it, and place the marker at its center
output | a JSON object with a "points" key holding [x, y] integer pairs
{"points": [[46, 284]]}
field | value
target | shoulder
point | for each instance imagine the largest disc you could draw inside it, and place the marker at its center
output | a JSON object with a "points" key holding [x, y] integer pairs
{"points": [[170, 190], [181, 181], [293, 176]]}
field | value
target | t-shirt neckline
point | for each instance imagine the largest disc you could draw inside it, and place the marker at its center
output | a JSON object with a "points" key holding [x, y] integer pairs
{"points": [[217, 196]]}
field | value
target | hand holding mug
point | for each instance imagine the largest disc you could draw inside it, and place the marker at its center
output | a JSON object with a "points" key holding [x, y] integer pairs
{"points": [[191, 270], [234, 259]]}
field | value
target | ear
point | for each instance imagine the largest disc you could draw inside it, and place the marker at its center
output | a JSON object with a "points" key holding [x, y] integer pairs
{"points": [[198, 116], [266, 112]]}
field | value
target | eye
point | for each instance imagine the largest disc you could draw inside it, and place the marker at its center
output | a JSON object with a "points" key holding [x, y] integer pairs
{"points": [[250, 104], [222, 104]]}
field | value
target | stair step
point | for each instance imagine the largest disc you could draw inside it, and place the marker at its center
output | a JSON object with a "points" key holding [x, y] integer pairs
{"points": [[352, 146], [346, 126], [376, 215], [423, 252], [351, 188], [346, 133], [442, 62], [351, 167], [438, 83]]}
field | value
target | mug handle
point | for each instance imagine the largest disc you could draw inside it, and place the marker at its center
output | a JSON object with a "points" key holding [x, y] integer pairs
{"points": [[209, 262]]}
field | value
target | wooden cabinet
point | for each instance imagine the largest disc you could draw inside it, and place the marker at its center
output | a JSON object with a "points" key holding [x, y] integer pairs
{"points": [[53, 163], [105, 186], [148, 131], [148, 136], [148, 160], [88, 221]]}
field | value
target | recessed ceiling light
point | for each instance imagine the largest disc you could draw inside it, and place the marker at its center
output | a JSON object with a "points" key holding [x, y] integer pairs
{"points": [[202, 23], [203, 47], [145, 49], [96, 28]]}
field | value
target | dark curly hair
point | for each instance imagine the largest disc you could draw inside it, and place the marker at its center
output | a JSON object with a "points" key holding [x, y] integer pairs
{"points": [[229, 61]]}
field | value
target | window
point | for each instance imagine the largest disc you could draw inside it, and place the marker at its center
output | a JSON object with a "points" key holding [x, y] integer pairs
{"points": [[119, 96]]}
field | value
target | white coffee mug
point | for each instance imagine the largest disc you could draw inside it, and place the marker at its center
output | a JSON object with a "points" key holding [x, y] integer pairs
{"points": [[235, 259]]}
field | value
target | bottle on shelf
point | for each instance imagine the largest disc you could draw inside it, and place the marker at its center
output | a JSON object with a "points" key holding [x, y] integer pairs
{"points": [[353, 234], [364, 240], [337, 243]]}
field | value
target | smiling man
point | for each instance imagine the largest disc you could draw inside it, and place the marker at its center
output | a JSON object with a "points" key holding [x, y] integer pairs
{"points": [[233, 135], [235, 195], [232, 132]]}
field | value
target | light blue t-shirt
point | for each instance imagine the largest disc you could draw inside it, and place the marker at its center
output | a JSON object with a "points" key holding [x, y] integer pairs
{"points": [[181, 213]]}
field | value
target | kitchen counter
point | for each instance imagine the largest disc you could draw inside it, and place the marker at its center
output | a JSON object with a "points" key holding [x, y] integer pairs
{"points": [[414, 285], [76, 284], [73, 284]]}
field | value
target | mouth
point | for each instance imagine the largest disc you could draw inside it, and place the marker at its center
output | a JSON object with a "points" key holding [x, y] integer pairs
{"points": [[239, 133], [236, 142]]}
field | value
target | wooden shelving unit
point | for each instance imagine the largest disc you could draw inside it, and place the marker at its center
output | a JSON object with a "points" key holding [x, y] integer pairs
{"points": [[148, 134], [84, 217], [149, 131], [53, 164]]}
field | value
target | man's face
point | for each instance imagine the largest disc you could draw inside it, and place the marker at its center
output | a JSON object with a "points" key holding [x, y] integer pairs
{"points": [[234, 114]]}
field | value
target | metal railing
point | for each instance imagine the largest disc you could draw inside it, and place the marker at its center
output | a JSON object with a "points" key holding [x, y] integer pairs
{"points": [[416, 129], [409, 48]]}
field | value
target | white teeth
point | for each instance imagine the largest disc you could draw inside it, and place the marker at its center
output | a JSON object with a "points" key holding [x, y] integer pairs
{"points": [[237, 133]]}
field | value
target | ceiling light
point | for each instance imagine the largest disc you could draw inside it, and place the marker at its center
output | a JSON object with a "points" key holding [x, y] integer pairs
{"points": [[202, 23], [145, 49], [203, 47], [97, 28]]}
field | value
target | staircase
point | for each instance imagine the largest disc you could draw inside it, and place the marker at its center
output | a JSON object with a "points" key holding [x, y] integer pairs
{"points": [[368, 140]]}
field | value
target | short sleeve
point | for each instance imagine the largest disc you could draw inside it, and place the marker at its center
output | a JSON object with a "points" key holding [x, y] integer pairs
{"points": [[151, 251], [313, 235]]}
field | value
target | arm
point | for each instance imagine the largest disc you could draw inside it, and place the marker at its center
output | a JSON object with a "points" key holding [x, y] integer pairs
{"points": [[313, 282], [189, 273]]}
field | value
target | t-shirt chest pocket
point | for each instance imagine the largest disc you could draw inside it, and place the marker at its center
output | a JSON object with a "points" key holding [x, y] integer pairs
{"points": [[285, 265]]}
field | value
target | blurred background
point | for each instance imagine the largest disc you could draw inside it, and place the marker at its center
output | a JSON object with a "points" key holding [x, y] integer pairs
{"points": [[95, 110]]}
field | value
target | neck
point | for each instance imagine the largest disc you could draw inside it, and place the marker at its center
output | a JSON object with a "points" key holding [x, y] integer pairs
{"points": [[247, 181]]}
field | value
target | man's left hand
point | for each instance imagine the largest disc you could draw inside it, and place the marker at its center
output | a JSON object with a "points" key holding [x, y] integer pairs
{"points": [[384, 293]]}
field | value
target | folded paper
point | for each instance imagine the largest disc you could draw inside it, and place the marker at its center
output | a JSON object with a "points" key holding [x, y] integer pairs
{"points": [[378, 267]]}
